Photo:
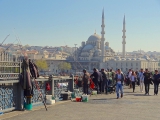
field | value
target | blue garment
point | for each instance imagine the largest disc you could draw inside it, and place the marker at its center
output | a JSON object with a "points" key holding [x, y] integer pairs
{"points": [[156, 78], [122, 78], [119, 87]]}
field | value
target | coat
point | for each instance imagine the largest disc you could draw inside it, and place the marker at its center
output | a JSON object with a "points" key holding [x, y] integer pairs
{"points": [[97, 76], [33, 70], [86, 78], [122, 78], [26, 75], [147, 77], [156, 78]]}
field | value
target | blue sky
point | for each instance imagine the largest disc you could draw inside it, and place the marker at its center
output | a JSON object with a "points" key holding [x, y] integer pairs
{"points": [[66, 22]]}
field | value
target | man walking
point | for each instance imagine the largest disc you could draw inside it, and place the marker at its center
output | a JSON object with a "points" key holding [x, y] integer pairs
{"points": [[156, 80], [119, 83], [105, 81], [147, 81], [97, 80], [85, 81], [129, 76]]}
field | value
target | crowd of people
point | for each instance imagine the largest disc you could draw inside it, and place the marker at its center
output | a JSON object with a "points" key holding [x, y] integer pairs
{"points": [[102, 79]]}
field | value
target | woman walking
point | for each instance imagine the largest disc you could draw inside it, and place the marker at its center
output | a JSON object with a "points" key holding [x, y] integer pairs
{"points": [[133, 80], [156, 80]]}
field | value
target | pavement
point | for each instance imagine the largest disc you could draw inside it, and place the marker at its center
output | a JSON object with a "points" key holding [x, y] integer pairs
{"points": [[133, 106]]}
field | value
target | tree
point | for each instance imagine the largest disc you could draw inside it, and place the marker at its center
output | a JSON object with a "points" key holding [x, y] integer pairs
{"points": [[64, 66], [41, 64]]}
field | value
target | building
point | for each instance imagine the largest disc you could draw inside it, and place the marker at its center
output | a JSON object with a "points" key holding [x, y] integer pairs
{"points": [[93, 52], [135, 64], [96, 53]]}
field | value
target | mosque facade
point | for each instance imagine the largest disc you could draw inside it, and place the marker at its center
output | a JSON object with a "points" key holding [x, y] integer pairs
{"points": [[96, 53]]}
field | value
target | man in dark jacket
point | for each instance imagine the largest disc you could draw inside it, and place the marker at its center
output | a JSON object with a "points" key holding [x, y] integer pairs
{"points": [[147, 81], [105, 81], [156, 80], [97, 79], [85, 81]]}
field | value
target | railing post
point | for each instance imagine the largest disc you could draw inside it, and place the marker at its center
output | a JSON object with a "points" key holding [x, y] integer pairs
{"points": [[71, 84], [20, 97]]}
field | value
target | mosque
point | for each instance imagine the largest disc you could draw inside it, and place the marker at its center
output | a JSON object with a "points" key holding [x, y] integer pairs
{"points": [[96, 53]]}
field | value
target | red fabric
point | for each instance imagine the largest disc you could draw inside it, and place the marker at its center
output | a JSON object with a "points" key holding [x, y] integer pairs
{"points": [[48, 88], [92, 86]]}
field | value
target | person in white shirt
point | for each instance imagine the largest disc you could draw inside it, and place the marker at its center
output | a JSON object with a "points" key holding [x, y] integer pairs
{"points": [[141, 79], [133, 80], [129, 76]]}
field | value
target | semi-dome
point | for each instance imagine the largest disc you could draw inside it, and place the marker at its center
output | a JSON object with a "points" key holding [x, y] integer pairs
{"points": [[88, 47], [94, 37]]}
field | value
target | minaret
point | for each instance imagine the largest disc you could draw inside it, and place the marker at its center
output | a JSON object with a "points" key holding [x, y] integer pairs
{"points": [[102, 36], [123, 37]]}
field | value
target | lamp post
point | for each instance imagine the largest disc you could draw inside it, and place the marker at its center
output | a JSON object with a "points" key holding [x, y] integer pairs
{"points": [[75, 59]]}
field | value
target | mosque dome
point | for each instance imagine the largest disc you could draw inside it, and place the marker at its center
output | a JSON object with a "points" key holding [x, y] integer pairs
{"points": [[128, 59], [98, 50], [133, 59], [88, 47], [94, 37], [107, 44], [107, 48]]}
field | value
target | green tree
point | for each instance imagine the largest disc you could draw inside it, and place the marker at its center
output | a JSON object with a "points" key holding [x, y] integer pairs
{"points": [[41, 64], [64, 66]]}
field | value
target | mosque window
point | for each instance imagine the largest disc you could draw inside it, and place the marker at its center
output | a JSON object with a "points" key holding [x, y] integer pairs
{"points": [[126, 64], [136, 64], [131, 64]]}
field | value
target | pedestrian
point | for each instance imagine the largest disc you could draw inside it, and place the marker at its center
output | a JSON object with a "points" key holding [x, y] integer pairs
{"points": [[147, 81], [156, 80], [129, 76], [141, 79], [97, 80], [133, 80], [119, 83], [85, 81], [137, 79], [110, 82], [105, 81], [113, 76]]}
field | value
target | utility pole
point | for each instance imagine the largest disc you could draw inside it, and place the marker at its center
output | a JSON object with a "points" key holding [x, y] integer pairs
{"points": [[75, 59]]}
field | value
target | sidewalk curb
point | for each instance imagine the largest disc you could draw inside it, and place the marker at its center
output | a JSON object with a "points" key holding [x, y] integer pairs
{"points": [[15, 113]]}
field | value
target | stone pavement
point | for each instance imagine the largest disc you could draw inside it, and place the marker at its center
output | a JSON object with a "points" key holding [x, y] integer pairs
{"points": [[133, 106]]}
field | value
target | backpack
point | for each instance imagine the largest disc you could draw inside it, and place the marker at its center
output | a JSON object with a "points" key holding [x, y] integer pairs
{"points": [[48, 87]]}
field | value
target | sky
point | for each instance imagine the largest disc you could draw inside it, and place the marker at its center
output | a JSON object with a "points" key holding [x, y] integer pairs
{"points": [[69, 22]]}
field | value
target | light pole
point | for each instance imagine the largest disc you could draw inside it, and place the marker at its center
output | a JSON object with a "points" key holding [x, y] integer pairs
{"points": [[75, 59]]}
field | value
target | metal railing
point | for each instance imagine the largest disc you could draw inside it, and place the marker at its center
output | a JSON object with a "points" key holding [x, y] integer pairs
{"points": [[12, 94]]}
